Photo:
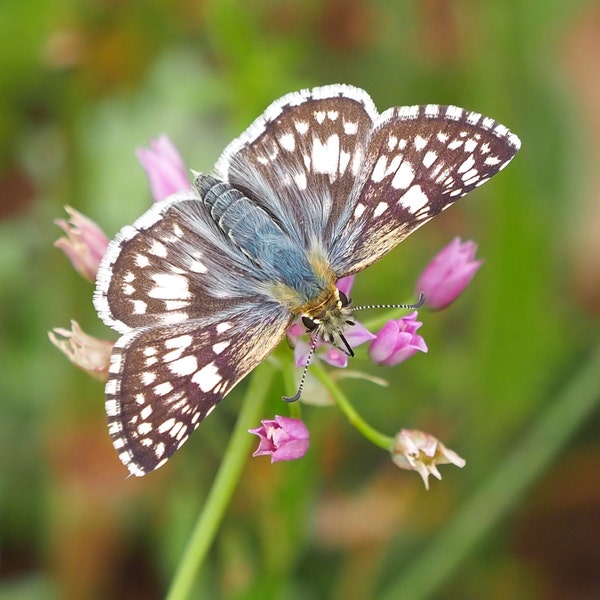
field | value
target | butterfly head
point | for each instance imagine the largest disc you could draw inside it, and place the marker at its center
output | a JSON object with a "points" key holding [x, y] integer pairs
{"points": [[328, 317]]}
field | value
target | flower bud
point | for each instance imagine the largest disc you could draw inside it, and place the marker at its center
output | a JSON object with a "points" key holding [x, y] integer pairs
{"points": [[84, 245], [397, 340], [164, 167], [448, 274], [282, 438]]}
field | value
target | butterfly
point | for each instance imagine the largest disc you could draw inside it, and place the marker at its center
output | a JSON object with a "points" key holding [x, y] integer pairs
{"points": [[205, 284]]}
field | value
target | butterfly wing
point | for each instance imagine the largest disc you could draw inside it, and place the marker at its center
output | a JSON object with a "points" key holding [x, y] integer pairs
{"points": [[164, 380], [301, 158], [326, 164], [173, 265], [194, 322], [419, 161]]}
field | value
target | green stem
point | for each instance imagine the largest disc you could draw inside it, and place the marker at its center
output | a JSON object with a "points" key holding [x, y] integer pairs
{"points": [[225, 481], [374, 436], [557, 423]]}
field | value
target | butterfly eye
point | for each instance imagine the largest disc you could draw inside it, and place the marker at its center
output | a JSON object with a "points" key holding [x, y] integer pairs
{"points": [[343, 299], [309, 323]]}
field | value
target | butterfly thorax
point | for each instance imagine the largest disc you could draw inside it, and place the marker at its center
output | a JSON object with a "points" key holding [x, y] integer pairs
{"points": [[329, 318]]}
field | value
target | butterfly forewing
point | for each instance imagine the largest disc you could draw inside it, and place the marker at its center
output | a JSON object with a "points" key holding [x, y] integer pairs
{"points": [[163, 381], [171, 266], [420, 160], [301, 158]]}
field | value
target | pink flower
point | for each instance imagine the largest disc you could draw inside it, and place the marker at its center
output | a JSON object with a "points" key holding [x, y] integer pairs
{"points": [[418, 451], [448, 274], [282, 438], [90, 354], [356, 335], [84, 245], [397, 340], [165, 168]]}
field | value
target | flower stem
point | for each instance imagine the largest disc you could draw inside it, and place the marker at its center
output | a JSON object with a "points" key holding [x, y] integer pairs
{"points": [[224, 485], [374, 436]]}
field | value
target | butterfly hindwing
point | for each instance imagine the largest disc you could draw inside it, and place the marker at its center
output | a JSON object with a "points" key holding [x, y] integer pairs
{"points": [[164, 381]]}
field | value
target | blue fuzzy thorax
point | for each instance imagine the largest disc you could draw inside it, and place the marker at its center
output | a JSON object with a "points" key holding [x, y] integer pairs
{"points": [[257, 234]]}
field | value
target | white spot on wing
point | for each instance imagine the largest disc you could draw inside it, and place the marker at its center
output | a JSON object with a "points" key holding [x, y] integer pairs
{"points": [[148, 377], [169, 286], [379, 169], [220, 346], [182, 341], [166, 425], [487, 123], [176, 429], [403, 177], [325, 157], [429, 158], [184, 366], [139, 307], [466, 165], [350, 128], [453, 112], [414, 199], [158, 249], [380, 209], [419, 142], [197, 267], [176, 304], [162, 389], [301, 127], [288, 142], [344, 161], [319, 116], [159, 450], [144, 428], [470, 145], [300, 179], [207, 377], [359, 210]]}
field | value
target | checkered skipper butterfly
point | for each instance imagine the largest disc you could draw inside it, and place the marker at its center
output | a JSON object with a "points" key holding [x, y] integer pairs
{"points": [[204, 285]]}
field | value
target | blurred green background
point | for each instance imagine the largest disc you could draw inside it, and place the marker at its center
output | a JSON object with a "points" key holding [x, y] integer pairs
{"points": [[512, 377]]}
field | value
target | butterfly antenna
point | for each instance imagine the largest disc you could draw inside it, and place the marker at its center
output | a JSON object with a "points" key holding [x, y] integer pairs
{"points": [[414, 306], [296, 396]]}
